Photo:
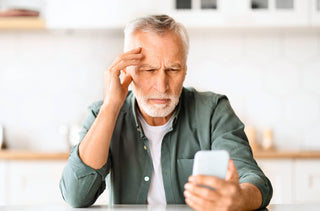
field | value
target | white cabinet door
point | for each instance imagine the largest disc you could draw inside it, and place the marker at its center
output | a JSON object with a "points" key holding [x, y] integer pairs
{"points": [[247, 13], [278, 13], [3, 184], [98, 14], [34, 182], [102, 14], [280, 173], [315, 12], [198, 17], [79, 14], [307, 181]]}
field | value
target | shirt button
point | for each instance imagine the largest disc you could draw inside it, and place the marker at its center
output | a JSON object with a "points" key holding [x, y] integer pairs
{"points": [[146, 179], [145, 148]]}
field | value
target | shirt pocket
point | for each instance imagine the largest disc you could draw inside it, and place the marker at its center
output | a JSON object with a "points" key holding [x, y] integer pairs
{"points": [[184, 167]]}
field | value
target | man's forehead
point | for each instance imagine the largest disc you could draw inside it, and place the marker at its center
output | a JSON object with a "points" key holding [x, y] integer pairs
{"points": [[150, 65], [141, 37], [158, 48]]}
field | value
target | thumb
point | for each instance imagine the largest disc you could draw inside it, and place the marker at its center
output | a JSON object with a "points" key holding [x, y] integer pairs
{"points": [[232, 173]]}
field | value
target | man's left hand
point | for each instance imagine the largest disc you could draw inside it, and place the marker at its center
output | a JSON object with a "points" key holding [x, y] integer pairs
{"points": [[225, 195]]}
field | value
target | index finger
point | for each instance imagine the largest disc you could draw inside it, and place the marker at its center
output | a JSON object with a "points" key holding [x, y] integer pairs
{"points": [[134, 54], [134, 50], [211, 181], [129, 58]]}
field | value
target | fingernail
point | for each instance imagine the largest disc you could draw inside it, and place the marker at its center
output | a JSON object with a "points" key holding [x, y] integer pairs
{"points": [[191, 178], [187, 186], [186, 193]]}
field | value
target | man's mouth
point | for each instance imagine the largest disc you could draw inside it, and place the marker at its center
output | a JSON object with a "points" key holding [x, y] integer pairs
{"points": [[160, 100]]}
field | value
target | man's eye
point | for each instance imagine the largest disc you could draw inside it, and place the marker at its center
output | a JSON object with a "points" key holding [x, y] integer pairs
{"points": [[150, 70], [173, 69]]}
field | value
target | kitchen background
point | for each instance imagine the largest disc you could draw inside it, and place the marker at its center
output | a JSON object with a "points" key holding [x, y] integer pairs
{"points": [[48, 79], [267, 63]]}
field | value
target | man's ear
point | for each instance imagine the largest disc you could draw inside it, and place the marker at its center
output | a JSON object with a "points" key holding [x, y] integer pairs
{"points": [[186, 72]]}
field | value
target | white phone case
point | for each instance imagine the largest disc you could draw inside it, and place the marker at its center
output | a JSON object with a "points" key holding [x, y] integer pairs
{"points": [[211, 163]]}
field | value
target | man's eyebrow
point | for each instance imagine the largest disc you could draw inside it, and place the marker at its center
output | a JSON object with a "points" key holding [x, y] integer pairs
{"points": [[146, 66], [175, 65]]}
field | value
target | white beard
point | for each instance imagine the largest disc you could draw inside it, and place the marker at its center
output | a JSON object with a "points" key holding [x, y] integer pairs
{"points": [[156, 110]]}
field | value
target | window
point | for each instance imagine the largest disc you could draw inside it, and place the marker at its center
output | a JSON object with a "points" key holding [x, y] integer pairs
{"points": [[208, 4], [259, 4], [284, 4], [183, 4]]}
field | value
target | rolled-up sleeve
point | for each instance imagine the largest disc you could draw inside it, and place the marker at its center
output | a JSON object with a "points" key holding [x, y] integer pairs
{"points": [[228, 133], [81, 185]]}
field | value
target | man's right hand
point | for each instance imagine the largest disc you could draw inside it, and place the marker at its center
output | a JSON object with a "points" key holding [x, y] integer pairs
{"points": [[115, 91], [94, 148]]}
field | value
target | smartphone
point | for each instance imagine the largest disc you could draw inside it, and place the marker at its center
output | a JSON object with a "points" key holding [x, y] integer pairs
{"points": [[211, 163]]}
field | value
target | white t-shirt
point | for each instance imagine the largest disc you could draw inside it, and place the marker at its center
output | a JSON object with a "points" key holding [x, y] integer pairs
{"points": [[155, 134]]}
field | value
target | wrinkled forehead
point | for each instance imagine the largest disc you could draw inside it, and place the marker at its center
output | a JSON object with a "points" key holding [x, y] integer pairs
{"points": [[167, 45]]}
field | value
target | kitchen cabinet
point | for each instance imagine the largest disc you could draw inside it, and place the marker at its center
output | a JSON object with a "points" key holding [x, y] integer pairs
{"points": [[98, 14], [37, 182], [307, 181], [247, 13], [280, 173], [3, 184], [101, 14], [33, 178], [278, 13], [69, 14], [34, 182], [196, 16], [294, 180]]}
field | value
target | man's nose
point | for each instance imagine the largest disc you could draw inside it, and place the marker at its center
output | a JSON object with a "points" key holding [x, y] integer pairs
{"points": [[162, 83]]}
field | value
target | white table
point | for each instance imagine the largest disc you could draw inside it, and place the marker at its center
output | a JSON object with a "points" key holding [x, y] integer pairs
{"points": [[292, 207]]}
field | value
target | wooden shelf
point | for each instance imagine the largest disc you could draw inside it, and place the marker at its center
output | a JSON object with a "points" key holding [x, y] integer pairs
{"points": [[275, 154], [29, 155], [22, 23]]}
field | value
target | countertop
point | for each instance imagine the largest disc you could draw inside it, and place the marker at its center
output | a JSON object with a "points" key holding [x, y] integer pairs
{"points": [[309, 207], [34, 155], [283, 154]]}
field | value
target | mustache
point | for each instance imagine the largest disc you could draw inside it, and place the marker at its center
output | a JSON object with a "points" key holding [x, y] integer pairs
{"points": [[160, 96]]}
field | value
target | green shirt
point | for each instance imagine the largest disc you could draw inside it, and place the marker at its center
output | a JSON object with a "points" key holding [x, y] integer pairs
{"points": [[202, 121]]}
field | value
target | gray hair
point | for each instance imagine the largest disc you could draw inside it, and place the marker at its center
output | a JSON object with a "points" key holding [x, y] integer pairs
{"points": [[158, 24]]}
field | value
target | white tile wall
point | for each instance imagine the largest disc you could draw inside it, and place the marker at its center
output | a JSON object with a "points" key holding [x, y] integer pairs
{"points": [[47, 79], [270, 76]]}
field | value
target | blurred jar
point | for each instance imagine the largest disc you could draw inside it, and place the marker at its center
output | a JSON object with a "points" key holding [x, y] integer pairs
{"points": [[252, 137], [267, 139], [74, 135], [1, 136]]}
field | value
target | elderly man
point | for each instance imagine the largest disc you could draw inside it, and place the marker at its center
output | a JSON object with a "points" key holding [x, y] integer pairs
{"points": [[142, 142]]}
